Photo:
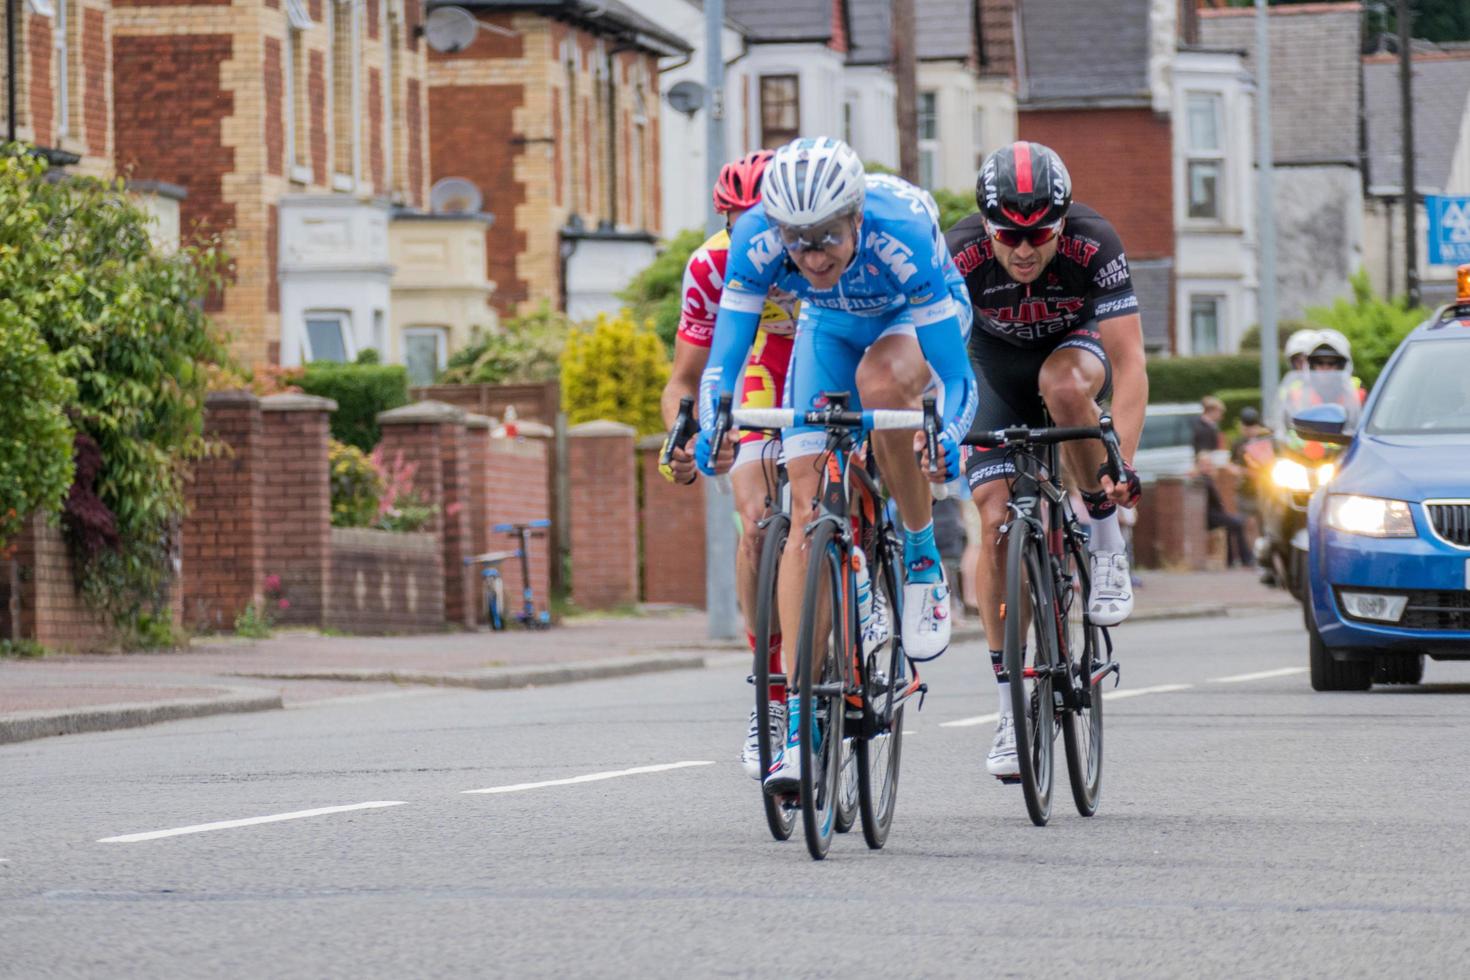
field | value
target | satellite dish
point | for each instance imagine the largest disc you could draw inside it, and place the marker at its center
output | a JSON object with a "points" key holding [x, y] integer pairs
{"points": [[454, 195], [450, 29], [686, 97]]}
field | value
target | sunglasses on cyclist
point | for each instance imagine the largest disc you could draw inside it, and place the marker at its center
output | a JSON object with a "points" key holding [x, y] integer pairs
{"points": [[1035, 237], [822, 238]]}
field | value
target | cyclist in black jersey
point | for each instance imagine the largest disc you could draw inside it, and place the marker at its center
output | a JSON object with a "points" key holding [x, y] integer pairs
{"points": [[1056, 328]]}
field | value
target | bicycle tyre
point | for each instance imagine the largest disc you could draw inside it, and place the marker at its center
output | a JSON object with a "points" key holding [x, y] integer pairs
{"points": [[1032, 704], [848, 792], [1082, 730], [780, 817], [879, 754], [495, 606], [822, 716]]}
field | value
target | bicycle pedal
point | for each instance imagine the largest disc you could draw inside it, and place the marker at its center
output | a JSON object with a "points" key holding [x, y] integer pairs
{"points": [[1009, 780]]}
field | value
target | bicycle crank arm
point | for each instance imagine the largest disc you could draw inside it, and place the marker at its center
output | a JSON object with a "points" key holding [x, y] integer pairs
{"points": [[1111, 667], [835, 689]]}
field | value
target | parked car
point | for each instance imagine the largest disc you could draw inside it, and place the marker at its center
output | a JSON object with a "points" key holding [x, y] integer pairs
{"points": [[1389, 536], [1166, 446]]}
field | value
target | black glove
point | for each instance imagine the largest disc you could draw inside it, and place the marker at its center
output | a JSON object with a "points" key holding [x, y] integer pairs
{"points": [[1130, 480]]}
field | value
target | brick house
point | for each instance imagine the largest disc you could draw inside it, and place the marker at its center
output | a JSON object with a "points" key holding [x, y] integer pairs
{"points": [[295, 126], [1093, 87], [63, 82], [552, 113]]}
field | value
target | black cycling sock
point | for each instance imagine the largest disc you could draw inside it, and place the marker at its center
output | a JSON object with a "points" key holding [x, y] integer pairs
{"points": [[996, 661], [1099, 504]]}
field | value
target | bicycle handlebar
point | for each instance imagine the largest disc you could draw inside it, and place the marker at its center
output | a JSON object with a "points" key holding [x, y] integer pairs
{"points": [[783, 418], [685, 425], [1022, 437]]}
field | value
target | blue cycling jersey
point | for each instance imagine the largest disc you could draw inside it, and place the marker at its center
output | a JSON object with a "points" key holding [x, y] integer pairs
{"points": [[902, 264]]}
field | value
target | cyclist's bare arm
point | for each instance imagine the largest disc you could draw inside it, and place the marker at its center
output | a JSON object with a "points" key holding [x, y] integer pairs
{"points": [[1122, 339], [689, 361]]}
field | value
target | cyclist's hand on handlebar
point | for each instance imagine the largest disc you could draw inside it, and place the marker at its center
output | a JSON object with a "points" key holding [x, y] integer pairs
{"points": [[949, 458], [721, 461], [1125, 493], [680, 468]]}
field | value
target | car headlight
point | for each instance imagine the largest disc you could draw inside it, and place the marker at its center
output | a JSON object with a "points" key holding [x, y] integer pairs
{"points": [[1325, 473], [1288, 474], [1372, 516]]}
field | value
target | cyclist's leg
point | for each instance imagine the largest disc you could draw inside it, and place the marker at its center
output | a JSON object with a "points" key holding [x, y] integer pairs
{"points": [[753, 476]]}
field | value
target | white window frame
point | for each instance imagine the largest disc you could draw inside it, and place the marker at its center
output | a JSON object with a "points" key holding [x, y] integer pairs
{"points": [[440, 334], [928, 145], [1218, 300], [1204, 155], [344, 323], [298, 22], [41, 8]]}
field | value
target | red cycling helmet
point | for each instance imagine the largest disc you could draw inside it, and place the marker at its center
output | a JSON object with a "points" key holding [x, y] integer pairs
{"points": [[739, 185], [1023, 185]]}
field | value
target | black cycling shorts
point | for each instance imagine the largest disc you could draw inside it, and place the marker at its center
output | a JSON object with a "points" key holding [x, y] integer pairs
{"points": [[1007, 383]]}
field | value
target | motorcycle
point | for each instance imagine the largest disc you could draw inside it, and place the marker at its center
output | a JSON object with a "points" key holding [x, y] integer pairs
{"points": [[1300, 469]]}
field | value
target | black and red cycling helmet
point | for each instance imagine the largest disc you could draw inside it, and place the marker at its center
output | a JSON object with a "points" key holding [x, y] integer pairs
{"points": [[1023, 185], [739, 183]]}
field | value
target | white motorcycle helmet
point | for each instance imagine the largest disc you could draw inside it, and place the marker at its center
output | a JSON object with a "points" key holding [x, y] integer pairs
{"points": [[812, 180], [1332, 342], [1301, 343]]}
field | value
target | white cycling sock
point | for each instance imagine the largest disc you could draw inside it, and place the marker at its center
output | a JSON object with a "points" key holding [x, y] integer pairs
{"points": [[1107, 535], [1004, 687]]}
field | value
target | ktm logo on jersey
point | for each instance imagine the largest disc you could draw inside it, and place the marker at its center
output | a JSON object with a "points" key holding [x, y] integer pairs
{"points": [[763, 250], [892, 253]]}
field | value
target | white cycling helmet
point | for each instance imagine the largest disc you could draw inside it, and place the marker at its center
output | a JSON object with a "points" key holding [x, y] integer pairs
{"points": [[1301, 343], [810, 181]]}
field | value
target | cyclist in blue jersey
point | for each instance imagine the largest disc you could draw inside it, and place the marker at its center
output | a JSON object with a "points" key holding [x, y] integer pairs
{"points": [[881, 316]]}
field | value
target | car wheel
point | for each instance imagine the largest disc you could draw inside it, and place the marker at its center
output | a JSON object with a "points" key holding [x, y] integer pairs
{"points": [[1398, 668], [1331, 674]]}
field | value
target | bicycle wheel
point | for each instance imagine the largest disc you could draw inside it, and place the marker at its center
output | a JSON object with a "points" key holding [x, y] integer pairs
{"points": [[780, 815], [1082, 729], [821, 661], [495, 604], [885, 678], [847, 787], [1029, 615]]}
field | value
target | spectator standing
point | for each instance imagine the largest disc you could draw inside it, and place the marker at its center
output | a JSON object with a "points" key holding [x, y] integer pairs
{"points": [[1206, 427], [1216, 516]]}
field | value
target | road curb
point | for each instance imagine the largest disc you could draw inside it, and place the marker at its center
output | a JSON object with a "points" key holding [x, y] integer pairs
{"points": [[499, 678], [22, 726]]}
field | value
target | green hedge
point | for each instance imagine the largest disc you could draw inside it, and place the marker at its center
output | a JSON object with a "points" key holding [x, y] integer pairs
{"points": [[1188, 379], [1235, 399], [361, 391]]}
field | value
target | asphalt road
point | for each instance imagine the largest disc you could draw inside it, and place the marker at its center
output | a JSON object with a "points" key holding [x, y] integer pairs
{"points": [[1248, 827]]}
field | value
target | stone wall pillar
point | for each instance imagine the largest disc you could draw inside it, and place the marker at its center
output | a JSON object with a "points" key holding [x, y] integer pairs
{"points": [[224, 527], [297, 515], [432, 436], [603, 492], [477, 446], [672, 531]]}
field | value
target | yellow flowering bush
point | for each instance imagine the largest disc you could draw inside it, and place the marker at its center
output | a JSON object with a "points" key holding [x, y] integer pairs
{"points": [[356, 486], [614, 369]]}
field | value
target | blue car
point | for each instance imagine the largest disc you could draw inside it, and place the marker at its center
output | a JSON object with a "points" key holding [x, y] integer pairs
{"points": [[1389, 536]]}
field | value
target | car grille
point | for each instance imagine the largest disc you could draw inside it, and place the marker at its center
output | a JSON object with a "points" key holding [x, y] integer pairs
{"points": [[1437, 610], [1451, 521]]}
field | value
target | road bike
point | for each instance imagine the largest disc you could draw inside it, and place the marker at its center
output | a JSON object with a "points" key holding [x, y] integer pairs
{"points": [[492, 584], [845, 686], [1055, 678]]}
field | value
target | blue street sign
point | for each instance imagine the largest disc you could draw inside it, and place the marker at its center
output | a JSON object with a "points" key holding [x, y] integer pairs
{"points": [[1449, 230]]}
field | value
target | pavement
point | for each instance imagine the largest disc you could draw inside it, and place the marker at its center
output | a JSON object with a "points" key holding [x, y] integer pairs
{"points": [[71, 694]]}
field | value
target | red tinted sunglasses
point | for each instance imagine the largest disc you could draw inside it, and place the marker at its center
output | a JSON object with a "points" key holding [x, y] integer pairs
{"points": [[1036, 237]]}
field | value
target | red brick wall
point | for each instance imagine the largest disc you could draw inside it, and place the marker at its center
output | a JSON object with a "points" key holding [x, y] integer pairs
{"points": [[170, 109], [839, 28], [477, 450], [272, 246], [416, 143], [372, 20], [672, 530], [375, 128], [457, 541], [469, 126], [297, 508], [39, 37], [604, 509], [224, 532], [1121, 165], [51, 611], [316, 91], [1170, 532], [275, 126], [515, 493], [385, 582], [95, 58]]}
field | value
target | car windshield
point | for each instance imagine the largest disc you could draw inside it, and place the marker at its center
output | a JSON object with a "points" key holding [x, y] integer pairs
{"points": [[1427, 391]]}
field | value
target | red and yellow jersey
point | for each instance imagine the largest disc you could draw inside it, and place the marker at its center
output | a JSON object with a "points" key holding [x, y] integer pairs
{"points": [[704, 281]]}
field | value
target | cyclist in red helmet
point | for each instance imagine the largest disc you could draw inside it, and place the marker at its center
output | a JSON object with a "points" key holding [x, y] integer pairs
{"points": [[1056, 327], [736, 191]]}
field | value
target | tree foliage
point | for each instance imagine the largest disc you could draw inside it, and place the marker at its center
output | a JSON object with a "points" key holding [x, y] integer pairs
{"points": [[527, 349], [126, 328], [614, 369], [656, 293]]}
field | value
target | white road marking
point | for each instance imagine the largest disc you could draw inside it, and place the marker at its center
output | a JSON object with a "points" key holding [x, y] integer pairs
{"points": [[590, 777], [1259, 675], [247, 822], [1108, 695]]}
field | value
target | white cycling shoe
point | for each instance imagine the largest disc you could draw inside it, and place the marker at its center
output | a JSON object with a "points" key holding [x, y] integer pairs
{"points": [[1002, 762], [1111, 601], [926, 624], [750, 753]]}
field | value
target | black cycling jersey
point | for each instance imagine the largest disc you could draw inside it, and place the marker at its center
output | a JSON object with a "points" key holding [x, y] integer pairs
{"points": [[1086, 280]]}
